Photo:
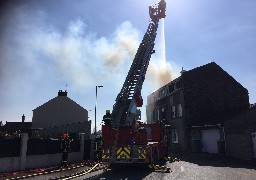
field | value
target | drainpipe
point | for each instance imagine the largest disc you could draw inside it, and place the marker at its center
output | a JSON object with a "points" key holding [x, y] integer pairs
{"points": [[223, 129]]}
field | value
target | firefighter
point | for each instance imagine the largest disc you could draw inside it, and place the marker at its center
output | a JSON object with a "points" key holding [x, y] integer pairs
{"points": [[107, 118], [65, 149], [100, 149], [97, 148]]}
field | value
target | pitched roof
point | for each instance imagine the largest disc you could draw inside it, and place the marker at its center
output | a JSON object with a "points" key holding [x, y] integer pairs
{"points": [[57, 99], [16, 125], [211, 69]]}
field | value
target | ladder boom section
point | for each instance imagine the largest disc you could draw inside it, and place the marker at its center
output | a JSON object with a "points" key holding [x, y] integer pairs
{"points": [[129, 97]]}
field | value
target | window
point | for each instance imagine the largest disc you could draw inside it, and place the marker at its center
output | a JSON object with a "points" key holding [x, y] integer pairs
{"points": [[178, 84], [253, 135], [163, 114], [174, 136], [171, 88], [163, 93], [154, 116], [173, 111], [179, 110], [158, 115]]}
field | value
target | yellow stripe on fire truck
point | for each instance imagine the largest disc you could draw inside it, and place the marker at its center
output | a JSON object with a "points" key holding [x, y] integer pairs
{"points": [[142, 153], [123, 152], [105, 153]]}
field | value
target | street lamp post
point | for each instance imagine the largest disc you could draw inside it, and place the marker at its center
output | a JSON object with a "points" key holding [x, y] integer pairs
{"points": [[88, 114], [95, 130]]}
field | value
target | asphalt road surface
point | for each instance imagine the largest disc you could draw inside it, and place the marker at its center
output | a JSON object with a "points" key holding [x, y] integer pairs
{"points": [[190, 167]]}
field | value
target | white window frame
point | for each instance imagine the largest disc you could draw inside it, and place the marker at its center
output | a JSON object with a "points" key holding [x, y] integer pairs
{"points": [[162, 113], [179, 110], [174, 134], [173, 112], [163, 92]]}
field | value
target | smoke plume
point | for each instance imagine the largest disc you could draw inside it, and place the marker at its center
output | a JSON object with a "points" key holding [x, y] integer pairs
{"points": [[79, 56], [159, 73]]}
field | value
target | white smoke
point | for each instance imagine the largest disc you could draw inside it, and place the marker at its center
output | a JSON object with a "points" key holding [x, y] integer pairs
{"points": [[40, 58], [81, 57], [160, 71]]}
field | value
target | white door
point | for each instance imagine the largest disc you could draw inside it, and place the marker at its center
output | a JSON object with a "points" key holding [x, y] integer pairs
{"points": [[254, 143], [209, 140]]}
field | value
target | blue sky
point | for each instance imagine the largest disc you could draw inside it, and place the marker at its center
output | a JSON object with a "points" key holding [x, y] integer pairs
{"points": [[45, 45]]}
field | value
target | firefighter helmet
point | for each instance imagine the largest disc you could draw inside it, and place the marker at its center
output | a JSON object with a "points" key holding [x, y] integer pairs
{"points": [[65, 135]]}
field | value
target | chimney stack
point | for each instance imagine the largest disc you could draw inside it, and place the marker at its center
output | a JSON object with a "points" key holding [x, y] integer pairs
{"points": [[62, 93], [23, 118]]}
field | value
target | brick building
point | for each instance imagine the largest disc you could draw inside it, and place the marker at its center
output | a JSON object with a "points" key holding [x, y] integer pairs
{"points": [[14, 128], [195, 106], [240, 135], [61, 115]]}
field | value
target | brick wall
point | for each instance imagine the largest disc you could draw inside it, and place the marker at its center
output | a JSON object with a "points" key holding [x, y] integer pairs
{"points": [[243, 123], [209, 91], [239, 146]]}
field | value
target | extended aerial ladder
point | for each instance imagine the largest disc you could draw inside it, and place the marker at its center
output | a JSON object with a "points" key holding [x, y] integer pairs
{"points": [[125, 139], [129, 98]]}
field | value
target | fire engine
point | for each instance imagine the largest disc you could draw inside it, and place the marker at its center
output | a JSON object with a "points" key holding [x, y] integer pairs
{"points": [[125, 138]]}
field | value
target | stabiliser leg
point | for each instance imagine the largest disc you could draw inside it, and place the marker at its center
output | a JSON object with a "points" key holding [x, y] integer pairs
{"points": [[159, 168], [171, 159]]}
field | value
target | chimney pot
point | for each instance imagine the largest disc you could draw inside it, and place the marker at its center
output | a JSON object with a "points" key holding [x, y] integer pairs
{"points": [[182, 71], [62, 93], [23, 118]]}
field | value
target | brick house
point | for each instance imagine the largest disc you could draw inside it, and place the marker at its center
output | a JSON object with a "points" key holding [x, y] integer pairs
{"points": [[195, 105], [14, 128], [61, 115]]}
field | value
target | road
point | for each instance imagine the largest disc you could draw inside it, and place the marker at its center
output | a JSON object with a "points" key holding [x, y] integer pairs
{"points": [[190, 167]]}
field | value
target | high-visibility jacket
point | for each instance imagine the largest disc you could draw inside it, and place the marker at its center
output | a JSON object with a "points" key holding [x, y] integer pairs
{"points": [[66, 145], [107, 118]]}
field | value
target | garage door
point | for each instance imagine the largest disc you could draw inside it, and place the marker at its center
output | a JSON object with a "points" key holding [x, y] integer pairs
{"points": [[254, 143], [209, 140]]}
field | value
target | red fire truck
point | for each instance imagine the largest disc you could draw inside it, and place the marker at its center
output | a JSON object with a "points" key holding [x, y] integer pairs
{"points": [[125, 138]]}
